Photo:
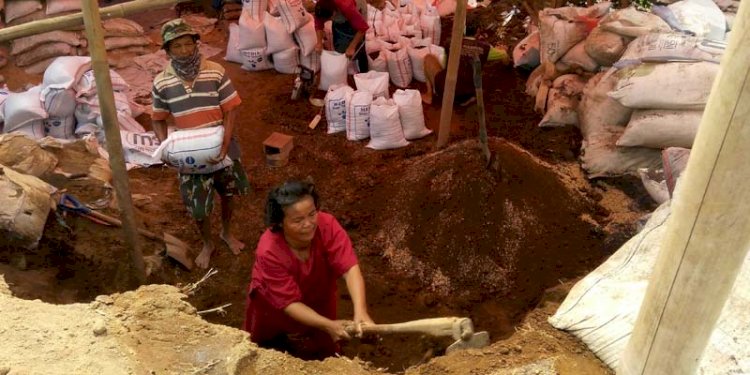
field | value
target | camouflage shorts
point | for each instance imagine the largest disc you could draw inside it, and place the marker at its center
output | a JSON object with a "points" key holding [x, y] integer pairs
{"points": [[197, 190]]}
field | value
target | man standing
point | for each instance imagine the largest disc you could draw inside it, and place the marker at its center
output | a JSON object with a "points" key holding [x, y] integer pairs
{"points": [[198, 94]]}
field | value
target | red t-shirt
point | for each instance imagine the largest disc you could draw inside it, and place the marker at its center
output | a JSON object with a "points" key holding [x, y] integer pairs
{"points": [[279, 278]]}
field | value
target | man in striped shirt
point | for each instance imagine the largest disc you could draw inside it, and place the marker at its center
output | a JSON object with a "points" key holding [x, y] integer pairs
{"points": [[198, 94]]}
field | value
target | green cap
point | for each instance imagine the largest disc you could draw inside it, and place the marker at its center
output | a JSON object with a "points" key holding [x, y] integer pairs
{"points": [[175, 29]]}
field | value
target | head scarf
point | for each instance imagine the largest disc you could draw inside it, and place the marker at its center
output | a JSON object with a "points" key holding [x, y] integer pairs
{"points": [[187, 68]]}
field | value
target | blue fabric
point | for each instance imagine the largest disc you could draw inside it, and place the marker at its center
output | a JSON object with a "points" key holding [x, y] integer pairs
{"points": [[343, 33]]}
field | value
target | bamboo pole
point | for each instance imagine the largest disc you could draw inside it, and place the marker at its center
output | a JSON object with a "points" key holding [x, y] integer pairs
{"points": [[708, 232], [76, 19], [457, 36], [95, 35]]}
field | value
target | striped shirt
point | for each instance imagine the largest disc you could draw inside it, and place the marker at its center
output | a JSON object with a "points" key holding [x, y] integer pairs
{"points": [[198, 106]]}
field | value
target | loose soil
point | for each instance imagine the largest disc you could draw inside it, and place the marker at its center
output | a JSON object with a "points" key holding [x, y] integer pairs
{"points": [[437, 233]]}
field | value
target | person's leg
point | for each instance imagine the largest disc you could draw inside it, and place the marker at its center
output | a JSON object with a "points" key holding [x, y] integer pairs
{"points": [[197, 194], [432, 67], [230, 182]]}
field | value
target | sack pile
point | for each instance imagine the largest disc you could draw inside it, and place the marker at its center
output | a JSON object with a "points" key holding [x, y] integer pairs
{"points": [[124, 39], [635, 83], [65, 105]]}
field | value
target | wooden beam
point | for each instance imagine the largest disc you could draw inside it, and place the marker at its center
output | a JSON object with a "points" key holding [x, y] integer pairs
{"points": [[454, 58], [95, 35], [76, 19], [707, 236]]}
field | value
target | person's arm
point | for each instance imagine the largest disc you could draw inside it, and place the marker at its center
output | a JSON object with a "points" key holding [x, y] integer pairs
{"points": [[352, 49], [307, 316], [160, 129], [355, 283], [319, 44]]}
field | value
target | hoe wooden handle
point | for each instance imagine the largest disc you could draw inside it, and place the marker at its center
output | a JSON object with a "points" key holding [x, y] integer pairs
{"points": [[439, 327]]}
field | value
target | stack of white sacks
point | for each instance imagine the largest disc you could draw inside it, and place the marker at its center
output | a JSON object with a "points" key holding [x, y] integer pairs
{"points": [[634, 82], [273, 35], [65, 105]]}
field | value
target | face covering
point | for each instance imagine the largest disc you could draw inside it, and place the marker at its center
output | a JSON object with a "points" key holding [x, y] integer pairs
{"points": [[187, 68]]}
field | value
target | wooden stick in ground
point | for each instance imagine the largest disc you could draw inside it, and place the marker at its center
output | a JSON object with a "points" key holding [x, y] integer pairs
{"points": [[457, 36], [95, 35], [707, 240], [76, 19], [480, 109]]}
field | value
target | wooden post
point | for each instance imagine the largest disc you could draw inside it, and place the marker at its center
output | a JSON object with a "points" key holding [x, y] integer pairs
{"points": [[95, 35], [707, 235], [76, 19], [457, 36]]}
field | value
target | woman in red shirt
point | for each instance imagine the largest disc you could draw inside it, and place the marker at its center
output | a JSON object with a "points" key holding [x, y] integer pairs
{"points": [[291, 301]]}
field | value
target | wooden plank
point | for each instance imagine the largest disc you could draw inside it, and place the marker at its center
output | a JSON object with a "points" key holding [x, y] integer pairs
{"points": [[457, 36], [707, 238], [76, 19], [95, 35]]}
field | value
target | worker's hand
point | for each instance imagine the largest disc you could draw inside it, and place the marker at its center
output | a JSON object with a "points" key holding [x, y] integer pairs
{"points": [[218, 158], [350, 52], [336, 330], [319, 47], [361, 319]]}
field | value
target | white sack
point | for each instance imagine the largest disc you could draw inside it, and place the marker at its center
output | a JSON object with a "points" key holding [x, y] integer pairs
{"points": [[86, 85], [255, 59], [233, 44], [19, 8], [562, 101], [655, 187], [286, 61], [600, 157], [374, 82], [376, 61], [306, 38], [372, 45], [605, 47], [577, 58], [64, 72], [24, 109], [358, 115], [189, 150], [597, 109], [526, 52], [252, 32], [439, 52], [60, 127], [332, 69], [255, 9], [534, 81], [138, 147], [399, 67], [373, 14], [60, 6], [59, 102], [661, 128], [24, 206], [429, 22], [335, 102], [293, 14], [410, 112], [702, 17], [633, 23], [277, 37], [672, 46], [674, 160], [561, 29], [666, 86], [385, 126]]}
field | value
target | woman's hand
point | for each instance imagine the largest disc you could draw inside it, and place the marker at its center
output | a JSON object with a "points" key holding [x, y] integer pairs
{"points": [[319, 47], [336, 330], [360, 319], [350, 51]]}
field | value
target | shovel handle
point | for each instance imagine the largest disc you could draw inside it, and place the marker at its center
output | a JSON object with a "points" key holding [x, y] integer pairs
{"points": [[439, 327]]}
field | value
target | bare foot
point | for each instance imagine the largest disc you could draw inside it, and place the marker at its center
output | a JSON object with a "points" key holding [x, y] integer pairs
{"points": [[205, 256], [234, 244], [426, 98]]}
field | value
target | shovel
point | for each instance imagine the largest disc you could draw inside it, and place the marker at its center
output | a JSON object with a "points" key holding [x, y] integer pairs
{"points": [[460, 329], [176, 249]]}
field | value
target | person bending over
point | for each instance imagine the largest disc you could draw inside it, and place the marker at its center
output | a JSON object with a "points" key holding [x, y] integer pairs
{"points": [[291, 299], [349, 27]]}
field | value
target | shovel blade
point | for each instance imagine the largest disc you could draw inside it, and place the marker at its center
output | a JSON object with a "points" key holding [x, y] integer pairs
{"points": [[476, 341]]}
